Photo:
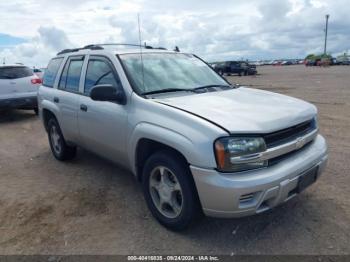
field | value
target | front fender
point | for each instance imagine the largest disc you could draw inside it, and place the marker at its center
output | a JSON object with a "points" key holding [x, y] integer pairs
{"points": [[162, 135]]}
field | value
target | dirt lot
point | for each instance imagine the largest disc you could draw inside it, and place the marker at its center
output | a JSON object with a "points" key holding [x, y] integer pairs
{"points": [[90, 206]]}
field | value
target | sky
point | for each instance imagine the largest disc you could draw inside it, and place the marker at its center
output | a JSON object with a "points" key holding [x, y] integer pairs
{"points": [[33, 31]]}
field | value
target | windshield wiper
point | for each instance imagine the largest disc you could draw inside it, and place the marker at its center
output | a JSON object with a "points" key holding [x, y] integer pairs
{"points": [[166, 90], [209, 86]]}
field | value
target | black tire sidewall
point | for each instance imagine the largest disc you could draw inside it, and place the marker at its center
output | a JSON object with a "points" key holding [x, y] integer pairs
{"points": [[67, 152], [52, 122], [190, 209]]}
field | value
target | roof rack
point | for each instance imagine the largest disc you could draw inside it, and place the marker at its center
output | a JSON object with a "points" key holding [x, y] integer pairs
{"points": [[100, 47], [134, 45]]}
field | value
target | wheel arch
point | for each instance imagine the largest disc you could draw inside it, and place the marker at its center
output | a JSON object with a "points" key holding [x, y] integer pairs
{"points": [[47, 115], [147, 139], [145, 148]]}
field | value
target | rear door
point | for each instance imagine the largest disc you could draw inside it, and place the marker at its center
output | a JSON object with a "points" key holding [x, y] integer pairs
{"points": [[67, 97]]}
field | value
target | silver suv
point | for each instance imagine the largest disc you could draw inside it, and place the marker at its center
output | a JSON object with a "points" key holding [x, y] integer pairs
{"points": [[196, 143]]}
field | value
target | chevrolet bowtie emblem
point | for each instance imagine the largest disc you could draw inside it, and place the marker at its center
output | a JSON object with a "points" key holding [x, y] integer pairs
{"points": [[300, 142]]}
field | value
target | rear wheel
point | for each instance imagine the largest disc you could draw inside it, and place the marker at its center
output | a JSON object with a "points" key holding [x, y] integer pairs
{"points": [[169, 190], [58, 145]]}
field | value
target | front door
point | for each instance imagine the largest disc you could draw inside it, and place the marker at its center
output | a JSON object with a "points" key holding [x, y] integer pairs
{"points": [[102, 125]]}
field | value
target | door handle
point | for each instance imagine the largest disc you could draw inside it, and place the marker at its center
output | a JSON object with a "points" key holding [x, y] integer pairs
{"points": [[83, 107], [56, 100]]}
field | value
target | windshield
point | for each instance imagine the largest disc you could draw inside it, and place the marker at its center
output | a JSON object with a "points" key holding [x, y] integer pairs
{"points": [[164, 71]]}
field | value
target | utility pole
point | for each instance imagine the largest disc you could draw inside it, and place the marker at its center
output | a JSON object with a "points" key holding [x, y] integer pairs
{"points": [[325, 38]]}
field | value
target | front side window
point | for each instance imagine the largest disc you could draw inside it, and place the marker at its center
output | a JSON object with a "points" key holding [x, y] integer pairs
{"points": [[70, 77], [15, 72], [51, 72], [99, 72], [168, 71]]}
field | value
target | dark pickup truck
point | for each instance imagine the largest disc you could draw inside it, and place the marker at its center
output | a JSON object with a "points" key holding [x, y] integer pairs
{"points": [[235, 67]]}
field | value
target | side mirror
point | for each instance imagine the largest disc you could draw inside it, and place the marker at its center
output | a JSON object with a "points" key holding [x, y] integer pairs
{"points": [[107, 93]]}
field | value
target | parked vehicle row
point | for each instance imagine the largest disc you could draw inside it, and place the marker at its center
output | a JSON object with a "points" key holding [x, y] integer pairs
{"points": [[196, 143]]}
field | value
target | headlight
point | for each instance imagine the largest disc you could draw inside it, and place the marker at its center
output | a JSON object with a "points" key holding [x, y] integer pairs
{"points": [[228, 148]]}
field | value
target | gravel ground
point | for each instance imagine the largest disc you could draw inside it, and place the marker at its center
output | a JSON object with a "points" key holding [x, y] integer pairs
{"points": [[90, 206]]}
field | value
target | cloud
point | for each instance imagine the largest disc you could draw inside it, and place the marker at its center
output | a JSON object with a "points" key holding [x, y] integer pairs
{"points": [[39, 49], [54, 38], [215, 30]]}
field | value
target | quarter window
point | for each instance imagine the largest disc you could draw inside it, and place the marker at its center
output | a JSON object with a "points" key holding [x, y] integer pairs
{"points": [[51, 72], [99, 72]]}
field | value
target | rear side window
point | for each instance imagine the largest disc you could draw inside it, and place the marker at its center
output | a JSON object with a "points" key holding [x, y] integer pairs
{"points": [[51, 72], [99, 72], [70, 77], [14, 72]]}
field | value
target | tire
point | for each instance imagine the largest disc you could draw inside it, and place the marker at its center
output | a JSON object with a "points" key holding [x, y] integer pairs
{"points": [[184, 195], [58, 145], [221, 72], [36, 111]]}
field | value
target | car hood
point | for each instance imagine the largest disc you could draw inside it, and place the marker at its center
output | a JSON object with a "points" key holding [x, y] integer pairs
{"points": [[245, 110]]}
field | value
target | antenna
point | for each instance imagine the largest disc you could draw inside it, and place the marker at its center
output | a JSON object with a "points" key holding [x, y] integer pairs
{"points": [[143, 73]]}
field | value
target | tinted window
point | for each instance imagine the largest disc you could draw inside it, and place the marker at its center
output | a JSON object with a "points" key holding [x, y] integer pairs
{"points": [[99, 72], [71, 74], [14, 72], [51, 72]]}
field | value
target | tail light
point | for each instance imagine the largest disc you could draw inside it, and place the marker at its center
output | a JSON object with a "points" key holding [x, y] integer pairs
{"points": [[36, 81]]}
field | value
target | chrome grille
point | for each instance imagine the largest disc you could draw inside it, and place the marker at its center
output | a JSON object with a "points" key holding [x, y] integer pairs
{"points": [[289, 134]]}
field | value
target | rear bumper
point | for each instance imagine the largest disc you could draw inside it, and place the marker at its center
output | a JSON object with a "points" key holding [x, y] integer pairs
{"points": [[30, 102], [252, 192]]}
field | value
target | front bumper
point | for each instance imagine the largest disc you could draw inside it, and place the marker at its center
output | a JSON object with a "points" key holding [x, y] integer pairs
{"points": [[20, 103], [251, 192]]}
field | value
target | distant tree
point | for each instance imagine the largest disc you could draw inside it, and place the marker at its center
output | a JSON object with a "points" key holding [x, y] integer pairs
{"points": [[310, 57], [313, 57]]}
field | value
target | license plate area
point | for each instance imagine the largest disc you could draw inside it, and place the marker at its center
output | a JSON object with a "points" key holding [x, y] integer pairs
{"points": [[306, 179]]}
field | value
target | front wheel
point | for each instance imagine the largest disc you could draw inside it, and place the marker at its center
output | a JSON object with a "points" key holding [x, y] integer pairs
{"points": [[58, 145], [169, 190]]}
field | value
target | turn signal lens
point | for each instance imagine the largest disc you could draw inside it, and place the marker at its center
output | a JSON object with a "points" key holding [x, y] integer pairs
{"points": [[220, 154]]}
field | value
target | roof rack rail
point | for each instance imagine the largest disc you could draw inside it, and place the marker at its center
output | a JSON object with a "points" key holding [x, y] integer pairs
{"points": [[134, 45], [91, 47], [100, 47]]}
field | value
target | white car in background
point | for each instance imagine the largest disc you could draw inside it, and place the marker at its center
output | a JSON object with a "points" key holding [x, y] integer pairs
{"points": [[18, 87]]}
